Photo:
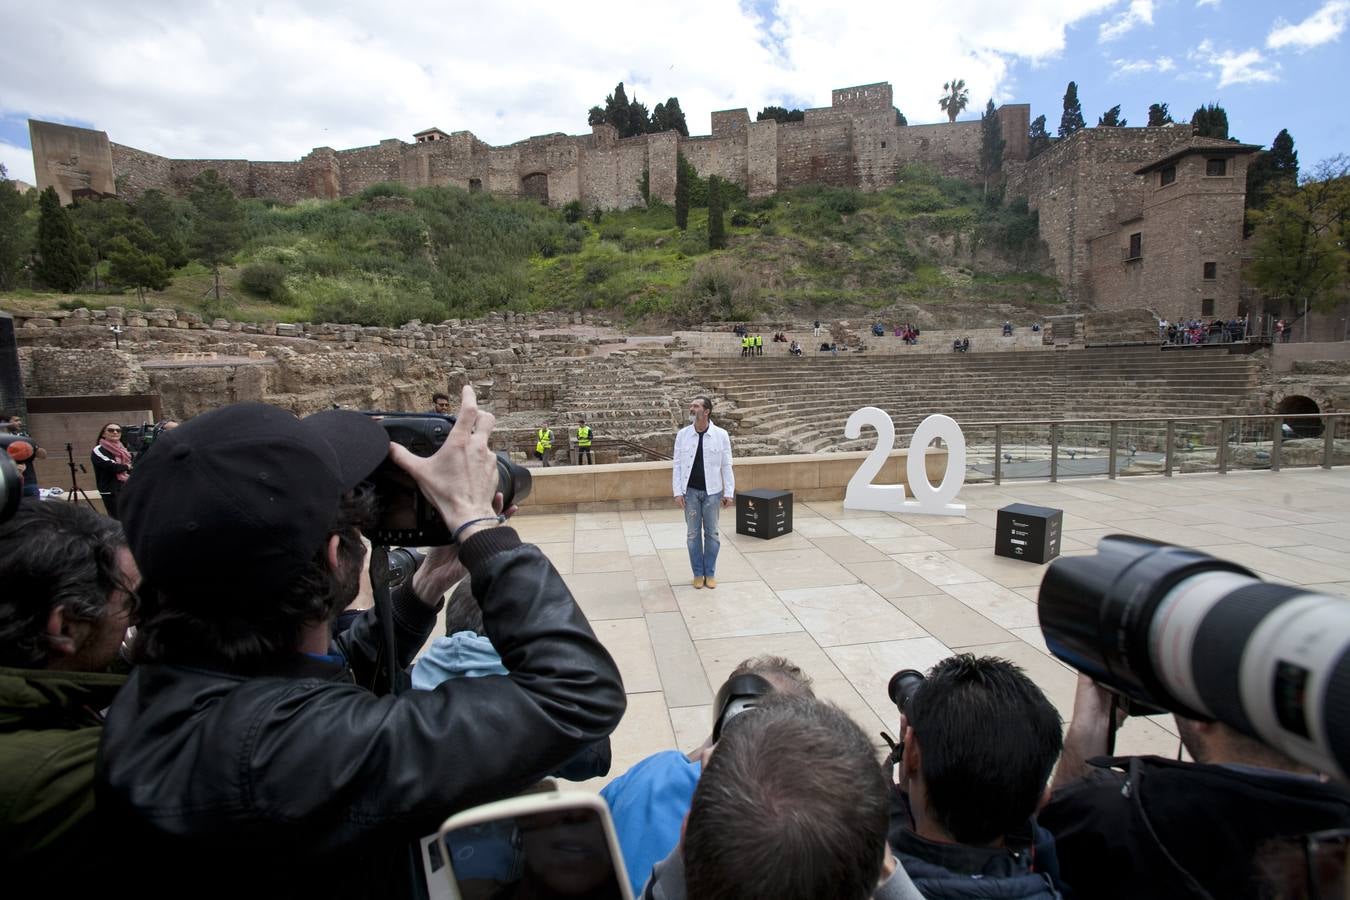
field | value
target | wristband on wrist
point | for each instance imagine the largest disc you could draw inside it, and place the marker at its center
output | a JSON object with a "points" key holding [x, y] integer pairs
{"points": [[454, 535]]}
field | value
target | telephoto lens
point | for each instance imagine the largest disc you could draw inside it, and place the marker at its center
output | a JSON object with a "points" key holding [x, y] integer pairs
{"points": [[1205, 638]]}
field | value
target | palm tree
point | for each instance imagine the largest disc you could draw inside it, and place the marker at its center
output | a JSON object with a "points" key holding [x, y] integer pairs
{"points": [[956, 98]]}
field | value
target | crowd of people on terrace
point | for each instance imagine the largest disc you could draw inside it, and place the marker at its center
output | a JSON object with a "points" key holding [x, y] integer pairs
{"points": [[1201, 331]]}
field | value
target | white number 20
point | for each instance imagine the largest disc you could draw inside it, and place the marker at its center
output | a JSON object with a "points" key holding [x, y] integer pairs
{"points": [[928, 500]]}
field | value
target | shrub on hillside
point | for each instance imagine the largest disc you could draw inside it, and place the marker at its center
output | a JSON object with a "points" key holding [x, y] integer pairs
{"points": [[719, 289], [266, 280]]}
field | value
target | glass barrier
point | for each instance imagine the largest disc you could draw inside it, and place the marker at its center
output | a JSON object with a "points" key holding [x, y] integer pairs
{"points": [[1025, 452], [1083, 449]]}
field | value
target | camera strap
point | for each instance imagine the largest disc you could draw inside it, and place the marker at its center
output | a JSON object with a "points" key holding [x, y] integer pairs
{"points": [[1134, 790], [384, 610]]}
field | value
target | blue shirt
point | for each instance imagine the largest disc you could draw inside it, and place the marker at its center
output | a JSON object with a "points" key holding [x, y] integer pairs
{"points": [[649, 803]]}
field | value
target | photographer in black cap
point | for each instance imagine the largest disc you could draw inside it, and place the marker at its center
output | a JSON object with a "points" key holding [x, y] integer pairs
{"points": [[247, 756]]}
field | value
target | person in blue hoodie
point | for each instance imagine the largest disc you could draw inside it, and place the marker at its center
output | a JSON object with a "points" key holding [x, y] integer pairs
{"points": [[466, 652]]}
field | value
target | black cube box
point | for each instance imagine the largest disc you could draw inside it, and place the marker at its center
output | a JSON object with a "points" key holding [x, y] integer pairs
{"points": [[764, 513], [1028, 532]]}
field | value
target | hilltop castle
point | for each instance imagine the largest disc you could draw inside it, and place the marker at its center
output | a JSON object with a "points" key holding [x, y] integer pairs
{"points": [[1132, 216]]}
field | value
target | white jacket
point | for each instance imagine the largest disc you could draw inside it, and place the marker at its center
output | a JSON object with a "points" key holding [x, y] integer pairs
{"points": [[716, 461]]}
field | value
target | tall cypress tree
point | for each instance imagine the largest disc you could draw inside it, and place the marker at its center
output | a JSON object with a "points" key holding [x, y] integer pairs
{"points": [[681, 191], [1111, 118], [616, 109], [1038, 139], [1158, 115], [218, 223], [991, 145], [717, 232], [1072, 119], [1211, 120], [58, 245]]}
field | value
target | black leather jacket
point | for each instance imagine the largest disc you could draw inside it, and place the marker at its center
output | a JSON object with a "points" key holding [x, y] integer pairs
{"points": [[304, 783]]}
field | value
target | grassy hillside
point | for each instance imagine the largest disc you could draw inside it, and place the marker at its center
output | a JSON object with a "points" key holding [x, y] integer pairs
{"points": [[393, 254]]}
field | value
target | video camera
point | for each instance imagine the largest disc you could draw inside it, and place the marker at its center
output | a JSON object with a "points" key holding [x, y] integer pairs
{"points": [[1206, 639], [406, 516], [11, 487], [139, 438]]}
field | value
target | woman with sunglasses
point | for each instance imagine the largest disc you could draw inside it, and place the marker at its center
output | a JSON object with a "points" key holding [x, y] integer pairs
{"points": [[112, 465]]}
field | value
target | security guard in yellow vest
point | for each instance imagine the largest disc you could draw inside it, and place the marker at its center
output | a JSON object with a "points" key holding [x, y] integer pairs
{"points": [[584, 443], [759, 345], [745, 345], [543, 443]]}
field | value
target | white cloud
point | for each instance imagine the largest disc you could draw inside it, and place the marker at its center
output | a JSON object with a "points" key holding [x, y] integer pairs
{"points": [[272, 81], [1139, 12], [18, 162], [1322, 26], [1139, 66], [1235, 68], [1202, 3]]}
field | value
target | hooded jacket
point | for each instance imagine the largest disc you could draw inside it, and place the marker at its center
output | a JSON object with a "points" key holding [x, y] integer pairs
{"points": [[50, 723]]}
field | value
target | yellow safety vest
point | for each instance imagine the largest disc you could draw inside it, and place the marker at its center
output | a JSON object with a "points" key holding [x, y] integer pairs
{"points": [[759, 340], [583, 436], [545, 441], [745, 343]]}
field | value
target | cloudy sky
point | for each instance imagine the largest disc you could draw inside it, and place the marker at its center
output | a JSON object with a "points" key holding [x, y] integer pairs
{"points": [[272, 79]]}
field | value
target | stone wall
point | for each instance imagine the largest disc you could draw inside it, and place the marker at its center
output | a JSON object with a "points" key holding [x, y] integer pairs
{"points": [[854, 141]]}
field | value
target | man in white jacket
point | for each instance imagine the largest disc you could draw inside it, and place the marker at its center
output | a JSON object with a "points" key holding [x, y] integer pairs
{"points": [[701, 478]]}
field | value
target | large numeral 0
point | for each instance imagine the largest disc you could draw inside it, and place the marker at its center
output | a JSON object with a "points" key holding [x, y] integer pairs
{"points": [[861, 493]]}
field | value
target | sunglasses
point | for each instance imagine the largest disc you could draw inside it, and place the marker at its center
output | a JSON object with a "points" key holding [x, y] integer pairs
{"points": [[112, 431]]}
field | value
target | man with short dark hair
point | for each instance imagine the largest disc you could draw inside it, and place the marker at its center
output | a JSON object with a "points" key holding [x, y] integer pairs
{"points": [[67, 595], [791, 806], [440, 403], [1144, 826], [650, 800], [14, 427], [248, 734], [980, 740], [702, 479], [584, 437]]}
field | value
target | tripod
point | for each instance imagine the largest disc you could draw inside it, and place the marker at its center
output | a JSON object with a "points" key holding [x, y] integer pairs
{"points": [[74, 496]]}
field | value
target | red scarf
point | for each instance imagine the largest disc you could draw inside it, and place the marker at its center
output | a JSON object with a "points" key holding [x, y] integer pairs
{"points": [[119, 453]]}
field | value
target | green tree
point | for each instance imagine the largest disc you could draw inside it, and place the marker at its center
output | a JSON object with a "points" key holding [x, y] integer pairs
{"points": [[1111, 118], [16, 231], [99, 221], [639, 121], [1072, 119], [1038, 139], [955, 98], [991, 145], [900, 118], [130, 266], [683, 171], [217, 223], [59, 245], [1302, 255], [779, 114], [1210, 120], [1158, 115], [170, 222], [596, 116], [669, 117], [717, 232], [616, 109]]}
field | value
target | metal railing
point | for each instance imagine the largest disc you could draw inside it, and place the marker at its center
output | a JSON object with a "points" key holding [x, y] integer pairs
{"points": [[1056, 449]]}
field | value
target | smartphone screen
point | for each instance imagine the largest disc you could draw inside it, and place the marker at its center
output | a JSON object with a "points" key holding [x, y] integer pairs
{"points": [[562, 853]]}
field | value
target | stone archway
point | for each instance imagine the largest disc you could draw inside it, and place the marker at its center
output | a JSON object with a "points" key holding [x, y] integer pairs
{"points": [[1298, 404], [535, 187]]}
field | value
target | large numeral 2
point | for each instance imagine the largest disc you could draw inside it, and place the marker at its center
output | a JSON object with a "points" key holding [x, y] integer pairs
{"points": [[861, 493]]}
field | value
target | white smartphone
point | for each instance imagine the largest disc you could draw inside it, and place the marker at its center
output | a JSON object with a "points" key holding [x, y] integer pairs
{"points": [[544, 845]]}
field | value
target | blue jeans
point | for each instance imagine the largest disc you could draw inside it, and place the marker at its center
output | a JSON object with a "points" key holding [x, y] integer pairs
{"points": [[700, 520]]}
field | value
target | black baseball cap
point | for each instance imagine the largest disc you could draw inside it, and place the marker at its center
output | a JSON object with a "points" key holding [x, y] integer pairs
{"points": [[236, 502]]}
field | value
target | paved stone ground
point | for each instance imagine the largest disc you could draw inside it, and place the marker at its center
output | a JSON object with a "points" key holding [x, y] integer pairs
{"points": [[853, 596]]}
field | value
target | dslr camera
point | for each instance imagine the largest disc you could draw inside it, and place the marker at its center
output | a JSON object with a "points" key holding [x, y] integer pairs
{"points": [[406, 517], [1183, 631]]}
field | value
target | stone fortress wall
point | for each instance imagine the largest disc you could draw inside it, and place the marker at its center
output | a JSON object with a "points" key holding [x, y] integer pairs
{"points": [[1093, 191]]}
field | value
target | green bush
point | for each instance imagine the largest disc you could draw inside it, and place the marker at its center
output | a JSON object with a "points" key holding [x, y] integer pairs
{"points": [[572, 211], [266, 280]]}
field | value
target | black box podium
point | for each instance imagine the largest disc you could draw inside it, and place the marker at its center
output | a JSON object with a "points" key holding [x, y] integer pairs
{"points": [[764, 513], [1027, 532]]}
